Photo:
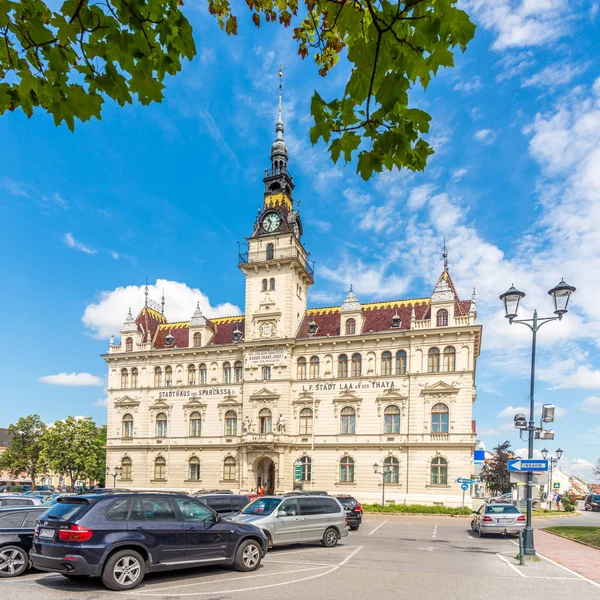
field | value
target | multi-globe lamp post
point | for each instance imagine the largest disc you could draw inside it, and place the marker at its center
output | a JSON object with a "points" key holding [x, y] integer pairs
{"points": [[385, 470], [117, 473], [552, 462], [511, 299]]}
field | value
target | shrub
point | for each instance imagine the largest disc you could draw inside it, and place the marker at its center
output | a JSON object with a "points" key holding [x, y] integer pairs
{"points": [[416, 509], [569, 501]]}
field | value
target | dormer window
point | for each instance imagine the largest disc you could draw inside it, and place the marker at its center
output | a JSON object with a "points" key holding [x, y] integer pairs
{"points": [[396, 322], [169, 340], [312, 327], [350, 327], [237, 335]]}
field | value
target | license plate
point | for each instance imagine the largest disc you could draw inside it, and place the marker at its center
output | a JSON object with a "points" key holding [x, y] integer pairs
{"points": [[47, 534], [505, 520]]}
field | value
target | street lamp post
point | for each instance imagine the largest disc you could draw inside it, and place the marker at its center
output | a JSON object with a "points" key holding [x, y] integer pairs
{"points": [[511, 298], [117, 473], [385, 470], [553, 462]]}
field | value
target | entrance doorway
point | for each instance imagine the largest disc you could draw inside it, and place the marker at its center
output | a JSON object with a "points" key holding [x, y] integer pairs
{"points": [[264, 469]]}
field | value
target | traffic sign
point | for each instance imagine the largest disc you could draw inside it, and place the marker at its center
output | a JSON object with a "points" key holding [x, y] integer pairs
{"points": [[465, 480], [557, 485], [527, 465], [464, 487], [298, 471]]}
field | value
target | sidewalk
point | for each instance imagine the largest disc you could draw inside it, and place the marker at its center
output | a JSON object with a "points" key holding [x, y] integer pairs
{"points": [[581, 559]]}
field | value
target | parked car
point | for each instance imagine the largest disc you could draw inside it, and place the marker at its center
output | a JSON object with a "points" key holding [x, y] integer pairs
{"points": [[124, 535], [213, 492], [502, 498], [225, 504], [19, 500], [293, 519], [17, 525], [52, 500], [592, 502], [497, 518], [353, 509]]}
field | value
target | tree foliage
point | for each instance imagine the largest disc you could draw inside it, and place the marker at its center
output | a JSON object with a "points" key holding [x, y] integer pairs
{"points": [[75, 447], [66, 61], [596, 470], [495, 470], [24, 452]]}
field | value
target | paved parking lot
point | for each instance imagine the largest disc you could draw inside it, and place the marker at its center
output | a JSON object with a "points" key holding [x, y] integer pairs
{"points": [[418, 557]]}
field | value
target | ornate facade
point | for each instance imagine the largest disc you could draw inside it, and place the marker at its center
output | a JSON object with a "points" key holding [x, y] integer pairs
{"points": [[286, 396]]}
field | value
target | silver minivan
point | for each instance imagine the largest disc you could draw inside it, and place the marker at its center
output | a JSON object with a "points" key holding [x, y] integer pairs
{"points": [[295, 519]]}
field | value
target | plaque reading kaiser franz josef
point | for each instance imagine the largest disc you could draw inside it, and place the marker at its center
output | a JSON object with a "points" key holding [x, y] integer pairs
{"points": [[265, 356]]}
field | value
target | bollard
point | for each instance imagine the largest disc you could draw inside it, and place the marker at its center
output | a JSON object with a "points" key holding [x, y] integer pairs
{"points": [[521, 555]]}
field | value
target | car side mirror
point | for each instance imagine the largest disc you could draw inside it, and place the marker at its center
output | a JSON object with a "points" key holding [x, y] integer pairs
{"points": [[474, 512], [281, 513], [218, 518]]}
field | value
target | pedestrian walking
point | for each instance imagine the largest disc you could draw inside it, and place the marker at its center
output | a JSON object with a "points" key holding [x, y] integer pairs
{"points": [[558, 499]]}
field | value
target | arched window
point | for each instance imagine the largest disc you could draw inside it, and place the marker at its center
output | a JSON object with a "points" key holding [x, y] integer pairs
{"points": [[227, 372], [442, 318], [343, 365], [400, 362], [195, 424], [160, 469], [433, 360], [348, 418], [350, 326], [439, 471], [356, 365], [347, 469], [127, 428], [306, 421], [194, 470], [168, 376], [265, 284], [306, 464], [272, 283], [134, 377], [449, 359], [265, 421], [391, 418], [229, 469], [126, 469], [314, 367], [161, 425], [192, 375], [270, 251], [301, 368], [197, 339], [157, 377], [124, 378], [391, 469], [386, 363], [202, 374], [239, 371], [128, 344], [231, 422], [439, 418]]}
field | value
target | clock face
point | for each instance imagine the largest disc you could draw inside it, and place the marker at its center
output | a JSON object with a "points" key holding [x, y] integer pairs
{"points": [[296, 229], [271, 222]]}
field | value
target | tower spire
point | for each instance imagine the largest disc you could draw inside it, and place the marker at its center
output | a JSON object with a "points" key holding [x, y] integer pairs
{"points": [[279, 124], [146, 294], [445, 255]]}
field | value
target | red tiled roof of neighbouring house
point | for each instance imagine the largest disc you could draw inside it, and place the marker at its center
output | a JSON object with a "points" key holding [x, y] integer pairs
{"points": [[222, 326]]}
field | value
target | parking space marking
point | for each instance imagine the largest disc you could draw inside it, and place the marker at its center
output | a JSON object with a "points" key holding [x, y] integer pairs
{"points": [[378, 526], [505, 560], [153, 592], [295, 562], [434, 534]]}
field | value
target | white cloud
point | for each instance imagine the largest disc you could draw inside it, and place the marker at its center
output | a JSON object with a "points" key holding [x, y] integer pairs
{"points": [[15, 187], [555, 75], [419, 196], [356, 199], [486, 136], [459, 174], [445, 214], [73, 379], [514, 64], [101, 401], [591, 404], [208, 55], [468, 87], [511, 411], [322, 226], [70, 241], [379, 218], [106, 316]]}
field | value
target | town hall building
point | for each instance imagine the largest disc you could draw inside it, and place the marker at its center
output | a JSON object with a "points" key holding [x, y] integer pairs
{"points": [[289, 397]]}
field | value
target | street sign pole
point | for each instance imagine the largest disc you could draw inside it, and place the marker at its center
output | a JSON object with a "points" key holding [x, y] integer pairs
{"points": [[462, 508]]}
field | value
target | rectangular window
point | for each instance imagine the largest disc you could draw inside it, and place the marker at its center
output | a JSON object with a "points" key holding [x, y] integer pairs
{"points": [[266, 373]]}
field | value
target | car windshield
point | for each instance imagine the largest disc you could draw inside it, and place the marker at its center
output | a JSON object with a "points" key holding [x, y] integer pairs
{"points": [[262, 506], [347, 502], [596, 498], [503, 508]]}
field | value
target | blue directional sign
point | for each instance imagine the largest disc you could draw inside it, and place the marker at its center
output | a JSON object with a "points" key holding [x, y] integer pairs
{"points": [[527, 465], [465, 480], [464, 487]]}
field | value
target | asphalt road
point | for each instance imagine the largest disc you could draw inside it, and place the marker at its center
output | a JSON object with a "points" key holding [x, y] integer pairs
{"points": [[422, 558]]}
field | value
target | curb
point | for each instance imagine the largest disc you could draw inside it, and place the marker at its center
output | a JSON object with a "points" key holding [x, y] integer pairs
{"points": [[407, 514], [564, 537]]}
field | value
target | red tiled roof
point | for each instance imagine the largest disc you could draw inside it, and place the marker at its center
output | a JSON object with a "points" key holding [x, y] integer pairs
{"points": [[180, 331], [223, 328], [148, 322]]}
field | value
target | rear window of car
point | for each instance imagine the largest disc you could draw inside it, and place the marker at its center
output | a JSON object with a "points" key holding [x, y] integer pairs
{"points": [[595, 498], [217, 503], [348, 502], [238, 502], [18, 502], [11, 519], [67, 511], [32, 517], [118, 510], [504, 509]]}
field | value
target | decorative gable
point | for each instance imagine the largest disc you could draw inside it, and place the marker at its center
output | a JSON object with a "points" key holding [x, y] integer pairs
{"points": [[388, 397], [440, 389], [264, 395], [126, 401], [347, 399]]}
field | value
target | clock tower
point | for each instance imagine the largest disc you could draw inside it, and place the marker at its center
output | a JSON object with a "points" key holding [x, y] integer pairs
{"points": [[278, 273]]}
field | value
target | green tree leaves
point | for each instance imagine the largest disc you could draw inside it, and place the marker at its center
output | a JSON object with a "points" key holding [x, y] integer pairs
{"points": [[495, 471], [67, 61]]}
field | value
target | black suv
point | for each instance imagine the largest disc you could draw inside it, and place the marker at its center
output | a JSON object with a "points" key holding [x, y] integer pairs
{"points": [[354, 511], [225, 504], [122, 536], [16, 536], [592, 502]]}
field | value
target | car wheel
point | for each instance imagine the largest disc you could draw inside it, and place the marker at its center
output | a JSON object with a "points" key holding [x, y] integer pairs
{"points": [[354, 527], [330, 538], [481, 534], [13, 561], [124, 570], [473, 525], [247, 557]]}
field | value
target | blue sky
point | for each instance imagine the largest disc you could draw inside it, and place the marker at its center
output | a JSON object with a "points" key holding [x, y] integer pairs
{"points": [[166, 192]]}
